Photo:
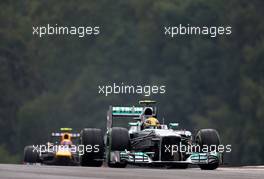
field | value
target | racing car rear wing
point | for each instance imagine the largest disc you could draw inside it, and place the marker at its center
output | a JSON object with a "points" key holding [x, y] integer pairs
{"points": [[122, 112], [59, 134], [125, 112], [63, 131]]}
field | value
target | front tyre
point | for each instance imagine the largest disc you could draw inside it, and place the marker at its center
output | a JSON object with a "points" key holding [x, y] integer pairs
{"points": [[119, 140], [211, 139]]}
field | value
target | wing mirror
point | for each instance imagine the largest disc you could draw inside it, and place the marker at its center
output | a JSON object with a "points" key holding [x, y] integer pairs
{"points": [[173, 125]]}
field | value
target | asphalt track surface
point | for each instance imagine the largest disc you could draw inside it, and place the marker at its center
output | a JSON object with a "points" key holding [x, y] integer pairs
{"points": [[65, 172]]}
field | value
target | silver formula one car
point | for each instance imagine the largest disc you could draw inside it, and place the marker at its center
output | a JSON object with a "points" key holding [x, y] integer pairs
{"points": [[150, 143]]}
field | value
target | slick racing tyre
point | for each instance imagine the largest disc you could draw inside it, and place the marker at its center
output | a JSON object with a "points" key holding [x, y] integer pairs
{"points": [[30, 156], [208, 137], [93, 144], [119, 138], [119, 141]]}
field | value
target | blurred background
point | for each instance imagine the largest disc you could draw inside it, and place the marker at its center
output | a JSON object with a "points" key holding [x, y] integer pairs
{"points": [[52, 82]]}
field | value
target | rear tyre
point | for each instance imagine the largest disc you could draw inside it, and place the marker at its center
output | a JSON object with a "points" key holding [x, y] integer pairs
{"points": [[208, 137], [92, 139], [30, 155], [119, 141]]}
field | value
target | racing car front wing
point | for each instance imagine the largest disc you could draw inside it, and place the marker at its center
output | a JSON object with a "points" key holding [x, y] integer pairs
{"points": [[145, 158]]}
